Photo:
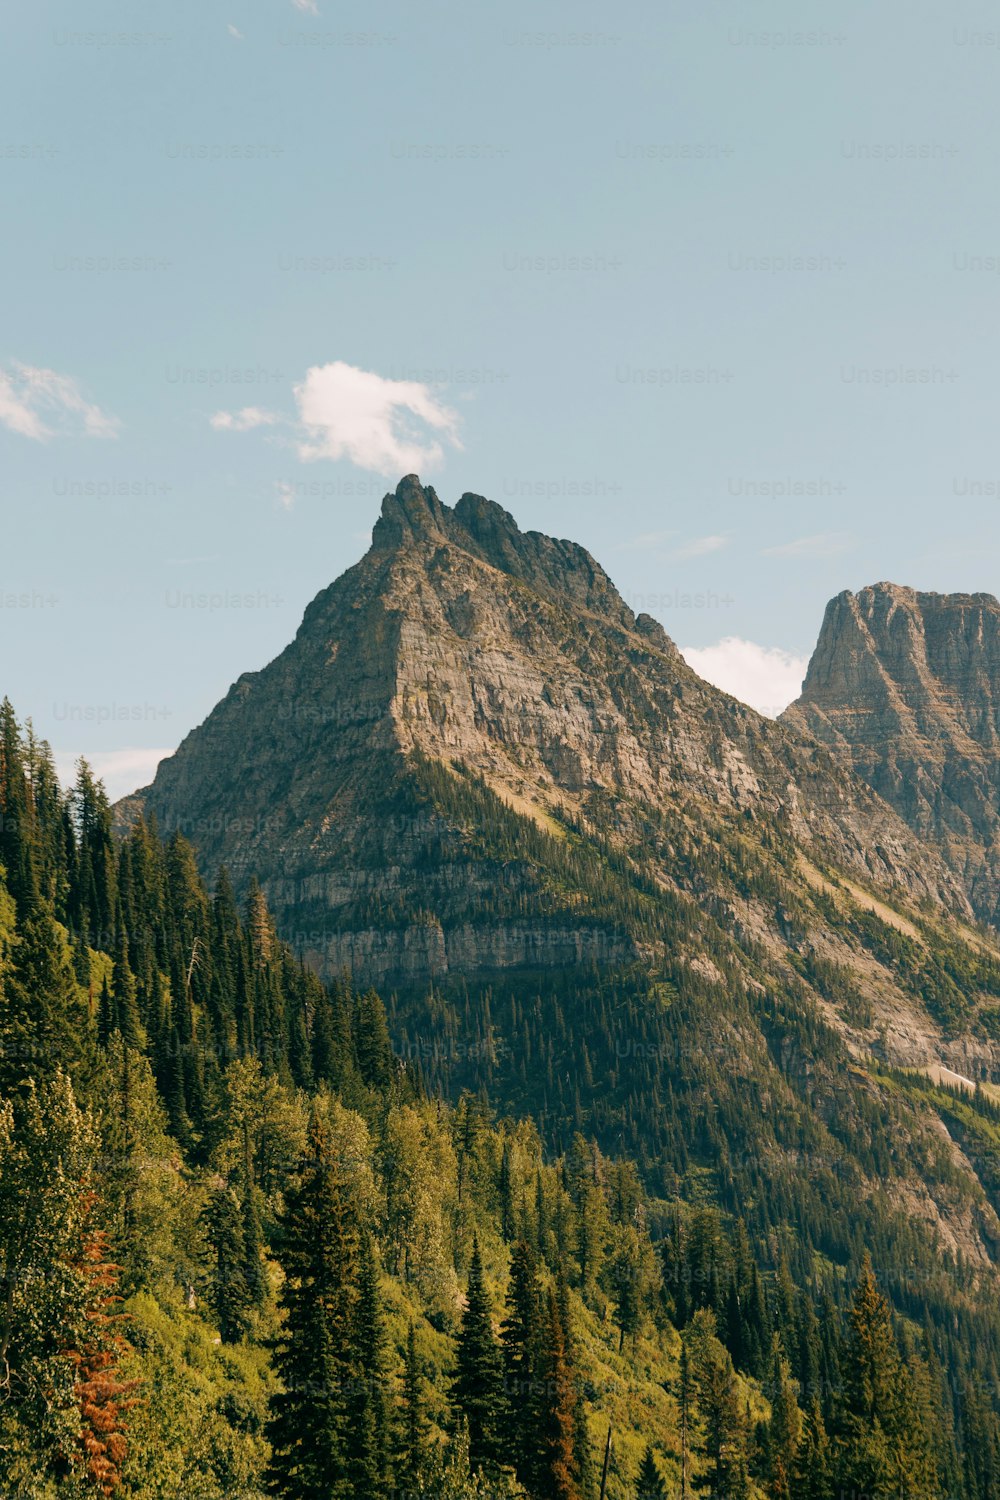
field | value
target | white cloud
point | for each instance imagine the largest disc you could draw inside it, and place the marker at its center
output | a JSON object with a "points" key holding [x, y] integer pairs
{"points": [[244, 420], [825, 544], [378, 424], [32, 398], [236, 32], [16, 414], [122, 771], [285, 491], [307, 5], [700, 546], [387, 426], [766, 677]]}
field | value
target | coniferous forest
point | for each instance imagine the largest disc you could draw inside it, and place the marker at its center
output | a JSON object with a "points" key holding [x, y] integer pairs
{"points": [[255, 1241]]}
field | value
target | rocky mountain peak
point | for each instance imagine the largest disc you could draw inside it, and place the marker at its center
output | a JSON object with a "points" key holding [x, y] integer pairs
{"points": [[464, 659], [905, 685], [411, 512], [555, 569]]}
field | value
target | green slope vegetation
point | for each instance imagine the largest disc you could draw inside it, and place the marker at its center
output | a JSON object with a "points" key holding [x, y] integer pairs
{"points": [[261, 1235]]}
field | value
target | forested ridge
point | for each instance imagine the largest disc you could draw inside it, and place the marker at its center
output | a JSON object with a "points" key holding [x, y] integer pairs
{"points": [[262, 1235]]}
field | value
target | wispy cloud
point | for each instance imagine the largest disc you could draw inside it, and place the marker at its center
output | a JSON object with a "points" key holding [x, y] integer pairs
{"points": [[285, 492], [236, 32], [122, 771], [824, 544], [244, 420], [16, 413], [766, 677], [646, 541], [386, 426], [309, 6], [700, 546], [38, 403]]}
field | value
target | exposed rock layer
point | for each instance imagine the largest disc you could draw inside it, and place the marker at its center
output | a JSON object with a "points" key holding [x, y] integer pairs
{"points": [[460, 638]]}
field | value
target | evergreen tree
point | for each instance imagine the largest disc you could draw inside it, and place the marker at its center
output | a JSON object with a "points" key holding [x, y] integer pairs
{"points": [[44, 1025], [478, 1384], [52, 1267], [583, 1461], [314, 1355], [785, 1427], [593, 1231], [138, 1181], [878, 1435], [718, 1403], [126, 1010], [650, 1484], [556, 1471], [813, 1477], [253, 1258], [107, 1018], [626, 1276], [332, 1038], [16, 844], [372, 1046], [520, 1337], [684, 1402], [367, 1431], [92, 898], [254, 1273], [174, 1087], [151, 1000], [809, 1344], [506, 1193], [412, 1446], [229, 1295]]}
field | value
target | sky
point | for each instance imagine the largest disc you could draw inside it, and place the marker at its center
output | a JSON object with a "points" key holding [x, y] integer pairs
{"points": [[713, 289]]}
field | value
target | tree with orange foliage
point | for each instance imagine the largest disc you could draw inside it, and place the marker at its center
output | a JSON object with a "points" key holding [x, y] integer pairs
{"points": [[101, 1395], [557, 1454]]}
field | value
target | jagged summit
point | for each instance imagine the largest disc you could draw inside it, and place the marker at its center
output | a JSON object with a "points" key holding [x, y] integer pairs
{"points": [[409, 512], [926, 598], [905, 687], [413, 514], [464, 659]]}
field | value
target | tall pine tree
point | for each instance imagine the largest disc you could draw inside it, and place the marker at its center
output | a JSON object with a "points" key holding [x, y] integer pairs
{"points": [[521, 1340], [557, 1468], [314, 1355], [412, 1444], [367, 1441], [478, 1385]]}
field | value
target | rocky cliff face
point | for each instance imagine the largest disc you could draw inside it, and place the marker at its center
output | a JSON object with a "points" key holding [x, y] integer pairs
{"points": [[475, 766], [904, 687], [464, 674]]}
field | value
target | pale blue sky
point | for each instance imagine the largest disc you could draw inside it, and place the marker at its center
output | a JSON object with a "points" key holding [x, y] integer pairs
{"points": [[525, 210]]}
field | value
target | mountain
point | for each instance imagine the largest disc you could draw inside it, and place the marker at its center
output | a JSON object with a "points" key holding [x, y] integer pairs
{"points": [[605, 893], [463, 658], [238, 1241], [245, 1253], [904, 687], [672, 996]]}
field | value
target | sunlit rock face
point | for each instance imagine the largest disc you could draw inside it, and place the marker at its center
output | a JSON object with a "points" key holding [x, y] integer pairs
{"points": [[460, 641], [905, 688]]}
